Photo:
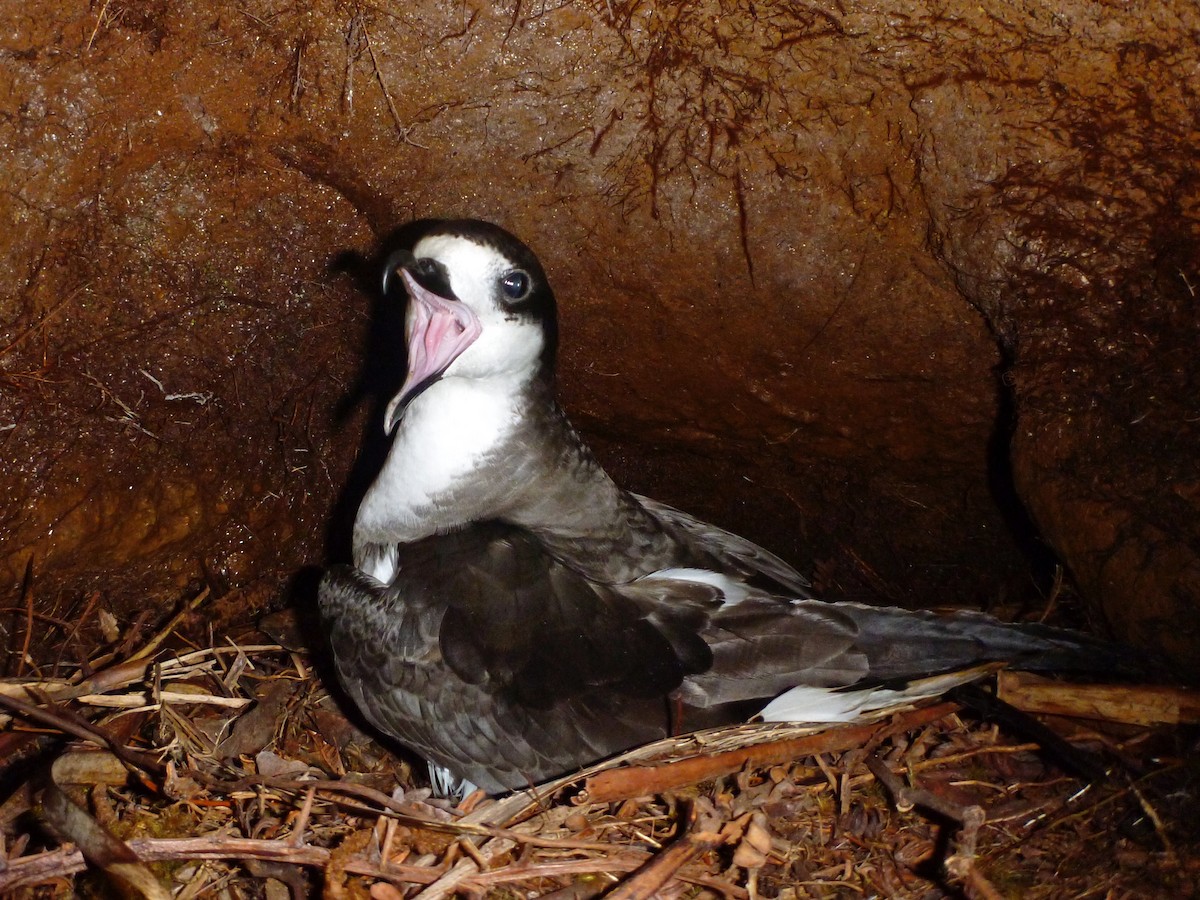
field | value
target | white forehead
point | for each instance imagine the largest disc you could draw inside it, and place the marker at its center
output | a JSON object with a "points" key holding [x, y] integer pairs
{"points": [[462, 257]]}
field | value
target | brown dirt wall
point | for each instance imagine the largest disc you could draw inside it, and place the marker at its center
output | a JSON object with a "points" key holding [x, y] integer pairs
{"points": [[795, 249]]}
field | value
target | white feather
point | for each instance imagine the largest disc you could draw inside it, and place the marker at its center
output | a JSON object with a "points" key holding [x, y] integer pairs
{"points": [[446, 784], [444, 434], [819, 705], [732, 590]]}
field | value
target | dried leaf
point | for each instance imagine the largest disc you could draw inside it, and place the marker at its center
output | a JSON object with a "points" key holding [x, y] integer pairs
{"points": [[90, 767], [755, 845], [108, 626], [274, 765]]}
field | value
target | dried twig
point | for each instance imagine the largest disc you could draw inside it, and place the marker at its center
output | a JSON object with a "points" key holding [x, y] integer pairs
{"points": [[450, 882], [113, 856], [30, 870], [69, 723], [165, 632], [640, 781], [647, 881], [960, 865], [27, 602]]}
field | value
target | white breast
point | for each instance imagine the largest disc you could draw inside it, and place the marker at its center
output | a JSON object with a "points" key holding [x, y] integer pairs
{"points": [[445, 435]]}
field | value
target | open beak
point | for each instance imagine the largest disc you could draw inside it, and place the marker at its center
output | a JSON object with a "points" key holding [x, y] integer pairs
{"points": [[438, 330]]}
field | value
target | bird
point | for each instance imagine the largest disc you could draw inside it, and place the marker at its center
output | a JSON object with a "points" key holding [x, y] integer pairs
{"points": [[511, 614]]}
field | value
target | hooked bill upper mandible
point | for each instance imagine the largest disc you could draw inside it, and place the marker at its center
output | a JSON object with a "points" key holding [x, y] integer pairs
{"points": [[396, 260]]}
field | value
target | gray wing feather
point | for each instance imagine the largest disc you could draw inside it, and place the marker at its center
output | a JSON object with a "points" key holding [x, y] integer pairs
{"points": [[742, 555], [493, 659], [762, 647]]}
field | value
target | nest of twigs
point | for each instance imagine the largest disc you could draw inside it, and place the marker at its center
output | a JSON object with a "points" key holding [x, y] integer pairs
{"points": [[229, 771]]}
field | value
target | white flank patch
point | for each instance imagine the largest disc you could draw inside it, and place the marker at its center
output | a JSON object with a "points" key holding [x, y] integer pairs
{"points": [[819, 705], [822, 705], [732, 591]]}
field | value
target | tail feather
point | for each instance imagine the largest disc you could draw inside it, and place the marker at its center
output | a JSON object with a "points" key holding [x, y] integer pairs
{"points": [[911, 656], [821, 651], [901, 643]]}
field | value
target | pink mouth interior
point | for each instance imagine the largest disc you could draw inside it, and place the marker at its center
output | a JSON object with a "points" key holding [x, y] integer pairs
{"points": [[438, 331]]}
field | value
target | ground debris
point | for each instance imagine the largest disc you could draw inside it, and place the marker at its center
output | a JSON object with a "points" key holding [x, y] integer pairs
{"points": [[230, 769]]}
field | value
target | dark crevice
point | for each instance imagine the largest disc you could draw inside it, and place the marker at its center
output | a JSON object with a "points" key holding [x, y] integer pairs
{"points": [[1043, 561]]}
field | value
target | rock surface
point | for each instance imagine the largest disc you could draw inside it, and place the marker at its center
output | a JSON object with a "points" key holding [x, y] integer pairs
{"points": [[900, 290]]}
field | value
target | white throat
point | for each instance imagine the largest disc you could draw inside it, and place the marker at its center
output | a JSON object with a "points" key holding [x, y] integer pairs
{"points": [[447, 435]]}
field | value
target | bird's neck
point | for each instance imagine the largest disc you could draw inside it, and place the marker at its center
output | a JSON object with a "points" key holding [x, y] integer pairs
{"points": [[468, 452], [473, 450]]}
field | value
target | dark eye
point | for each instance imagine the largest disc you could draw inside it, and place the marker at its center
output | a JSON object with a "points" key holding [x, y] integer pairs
{"points": [[425, 266], [516, 285]]}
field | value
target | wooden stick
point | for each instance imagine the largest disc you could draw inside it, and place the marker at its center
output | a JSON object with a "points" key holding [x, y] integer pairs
{"points": [[29, 870], [646, 882], [644, 780], [1131, 704], [100, 847]]}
